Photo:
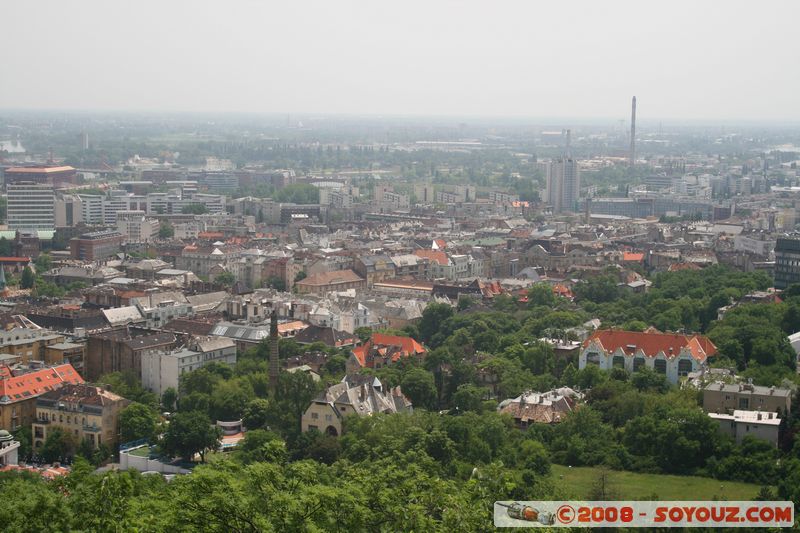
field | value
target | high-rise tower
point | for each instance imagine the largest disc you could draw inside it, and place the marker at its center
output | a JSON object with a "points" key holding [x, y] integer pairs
{"points": [[563, 182], [633, 131]]}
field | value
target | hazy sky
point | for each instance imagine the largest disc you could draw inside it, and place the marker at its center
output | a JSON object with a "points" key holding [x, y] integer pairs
{"points": [[537, 58]]}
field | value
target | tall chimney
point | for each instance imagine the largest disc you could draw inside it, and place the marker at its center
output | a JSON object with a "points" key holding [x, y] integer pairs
{"points": [[633, 130], [274, 368]]}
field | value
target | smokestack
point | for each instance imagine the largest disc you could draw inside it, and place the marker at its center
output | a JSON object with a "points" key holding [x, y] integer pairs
{"points": [[633, 130], [274, 365], [567, 148]]}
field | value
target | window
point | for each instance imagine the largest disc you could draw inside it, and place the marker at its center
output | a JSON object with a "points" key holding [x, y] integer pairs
{"points": [[314, 416], [684, 367], [660, 366], [744, 403], [618, 361], [638, 363], [328, 418]]}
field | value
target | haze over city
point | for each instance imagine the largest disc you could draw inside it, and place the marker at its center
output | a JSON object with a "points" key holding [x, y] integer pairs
{"points": [[686, 60]]}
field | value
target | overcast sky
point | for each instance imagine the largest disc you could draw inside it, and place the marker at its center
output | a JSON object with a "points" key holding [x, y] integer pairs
{"points": [[683, 59]]}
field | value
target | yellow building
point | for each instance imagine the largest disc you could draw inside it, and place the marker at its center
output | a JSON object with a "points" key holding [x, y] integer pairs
{"points": [[85, 411], [19, 389]]}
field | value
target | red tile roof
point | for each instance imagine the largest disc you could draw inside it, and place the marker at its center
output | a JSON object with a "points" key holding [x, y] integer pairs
{"points": [[435, 256], [651, 343], [632, 256], [32, 384], [406, 345]]}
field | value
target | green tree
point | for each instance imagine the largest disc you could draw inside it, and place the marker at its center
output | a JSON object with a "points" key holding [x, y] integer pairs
{"points": [[541, 294], [169, 398], [194, 209], [225, 278], [364, 333], [28, 278], [137, 421], [469, 397], [165, 230], [59, 445], [256, 414], [418, 385], [43, 263], [189, 434], [433, 319]]}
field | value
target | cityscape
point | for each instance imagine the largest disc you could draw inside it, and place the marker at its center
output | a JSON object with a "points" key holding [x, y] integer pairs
{"points": [[409, 302]]}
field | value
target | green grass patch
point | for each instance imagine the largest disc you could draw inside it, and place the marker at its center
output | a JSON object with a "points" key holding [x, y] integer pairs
{"points": [[144, 451], [579, 482]]}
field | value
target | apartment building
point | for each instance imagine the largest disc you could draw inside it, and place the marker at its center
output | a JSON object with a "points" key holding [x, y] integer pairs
{"points": [[84, 411]]}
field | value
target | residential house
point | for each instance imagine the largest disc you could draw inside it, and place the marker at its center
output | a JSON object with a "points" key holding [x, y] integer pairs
{"points": [[720, 397], [541, 407], [359, 395], [381, 350], [762, 425]]}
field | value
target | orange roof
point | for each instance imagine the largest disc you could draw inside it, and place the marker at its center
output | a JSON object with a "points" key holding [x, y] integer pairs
{"points": [[562, 290], [632, 256], [435, 256], [32, 384], [210, 235], [440, 243], [295, 325], [407, 346], [652, 343], [38, 170], [15, 259]]}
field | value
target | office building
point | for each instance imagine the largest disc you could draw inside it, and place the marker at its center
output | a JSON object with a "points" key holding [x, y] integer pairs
{"points": [[563, 184], [55, 177], [31, 205], [787, 261], [96, 245]]}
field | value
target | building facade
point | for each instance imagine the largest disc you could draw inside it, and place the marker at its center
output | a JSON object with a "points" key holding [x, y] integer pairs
{"points": [[84, 411], [96, 245], [787, 262], [162, 370], [670, 354], [30, 205]]}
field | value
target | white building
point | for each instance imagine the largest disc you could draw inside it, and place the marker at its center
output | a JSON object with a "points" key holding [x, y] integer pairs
{"points": [[31, 206], [760, 424], [671, 354], [9, 448], [136, 227], [162, 370], [158, 308]]}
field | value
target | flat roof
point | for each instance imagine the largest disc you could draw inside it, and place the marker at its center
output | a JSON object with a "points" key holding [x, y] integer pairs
{"points": [[39, 170]]}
